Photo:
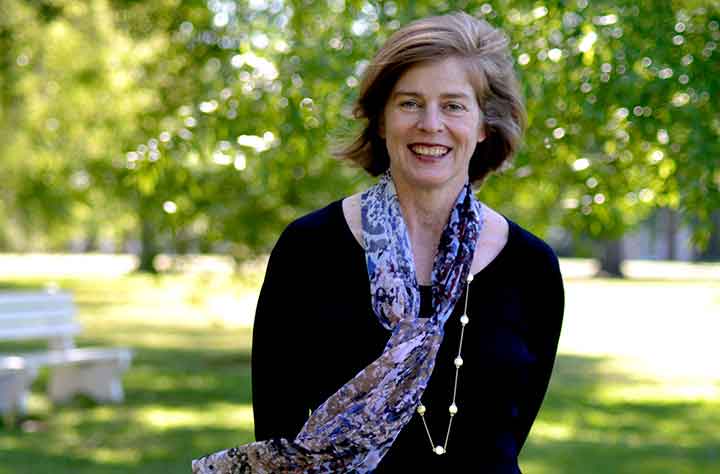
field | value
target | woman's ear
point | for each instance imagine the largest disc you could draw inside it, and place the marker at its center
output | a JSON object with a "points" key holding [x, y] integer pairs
{"points": [[482, 134], [482, 131], [381, 127]]}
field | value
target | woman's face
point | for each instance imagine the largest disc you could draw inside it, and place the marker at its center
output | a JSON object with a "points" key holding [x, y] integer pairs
{"points": [[431, 125]]}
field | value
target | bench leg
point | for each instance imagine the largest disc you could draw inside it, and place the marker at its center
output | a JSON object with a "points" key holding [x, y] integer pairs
{"points": [[15, 390], [99, 380]]}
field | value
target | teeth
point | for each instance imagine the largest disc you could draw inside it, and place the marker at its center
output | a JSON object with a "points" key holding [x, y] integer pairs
{"points": [[429, 150]]}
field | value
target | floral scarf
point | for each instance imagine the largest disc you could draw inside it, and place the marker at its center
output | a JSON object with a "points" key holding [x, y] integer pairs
{"points": [[354, 428]]}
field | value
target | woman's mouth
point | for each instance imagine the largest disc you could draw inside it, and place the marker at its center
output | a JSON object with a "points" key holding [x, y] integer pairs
{"points": [[429, 151]]}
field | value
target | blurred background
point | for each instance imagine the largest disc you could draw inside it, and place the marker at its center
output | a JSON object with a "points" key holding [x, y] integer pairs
{"points": [[152, 152]]}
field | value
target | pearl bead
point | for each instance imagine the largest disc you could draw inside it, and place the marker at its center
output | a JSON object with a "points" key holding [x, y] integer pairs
{"points": [[439, 450], [458, 361], [453, 409], [464, 319], [421, 409], [470, 277]]}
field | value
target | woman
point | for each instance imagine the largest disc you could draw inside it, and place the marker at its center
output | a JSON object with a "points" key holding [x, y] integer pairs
{"points": [[354, 367]]}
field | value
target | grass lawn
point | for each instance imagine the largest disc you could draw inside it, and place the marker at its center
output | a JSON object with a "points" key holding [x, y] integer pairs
{"points": [[636, 387]]}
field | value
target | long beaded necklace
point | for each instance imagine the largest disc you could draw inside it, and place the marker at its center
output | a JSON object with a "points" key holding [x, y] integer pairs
{"points": [[421, 409]]}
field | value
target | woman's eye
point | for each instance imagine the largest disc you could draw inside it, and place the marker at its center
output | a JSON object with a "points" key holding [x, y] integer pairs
{"points": [[409, 104], [453, 107]]}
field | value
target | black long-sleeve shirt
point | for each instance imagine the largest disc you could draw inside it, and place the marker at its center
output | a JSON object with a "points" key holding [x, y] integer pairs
{"points": [[315, 330]]}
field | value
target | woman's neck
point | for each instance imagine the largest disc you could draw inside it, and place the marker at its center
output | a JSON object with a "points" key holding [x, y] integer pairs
{"points": [[426, 212]]}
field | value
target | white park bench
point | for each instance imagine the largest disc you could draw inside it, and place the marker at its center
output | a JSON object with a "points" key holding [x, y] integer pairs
{"points": [[50, 316]]}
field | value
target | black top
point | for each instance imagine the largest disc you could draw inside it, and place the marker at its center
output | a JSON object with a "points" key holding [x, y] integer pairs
{"points": [[315, 330]]}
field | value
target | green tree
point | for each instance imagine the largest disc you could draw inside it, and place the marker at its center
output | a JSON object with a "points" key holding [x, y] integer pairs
{"points": [[207, 125]]}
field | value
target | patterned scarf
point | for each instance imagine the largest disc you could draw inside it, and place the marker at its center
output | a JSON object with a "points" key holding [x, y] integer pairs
{"points": [[354, 428]]}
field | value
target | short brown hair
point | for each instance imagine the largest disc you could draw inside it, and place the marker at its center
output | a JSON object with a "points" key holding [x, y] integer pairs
{"points": [[484, 51]]}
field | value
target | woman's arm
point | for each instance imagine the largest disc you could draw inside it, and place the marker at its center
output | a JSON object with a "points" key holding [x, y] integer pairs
{"points": [[278, 346], [548, 295]]}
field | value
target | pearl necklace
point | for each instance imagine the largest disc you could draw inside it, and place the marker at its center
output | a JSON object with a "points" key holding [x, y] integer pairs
{"points": [[458, 363]]}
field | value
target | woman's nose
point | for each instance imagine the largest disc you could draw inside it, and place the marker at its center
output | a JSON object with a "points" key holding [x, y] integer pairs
{"points": [[430, 120]]}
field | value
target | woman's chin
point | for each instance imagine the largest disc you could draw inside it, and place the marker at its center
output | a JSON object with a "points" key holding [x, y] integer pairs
{"points": [[426, 172], [430, 178]]}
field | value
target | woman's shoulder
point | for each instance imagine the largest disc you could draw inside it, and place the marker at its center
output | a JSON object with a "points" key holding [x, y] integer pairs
{"points": [[316, 227], [530, 249], [318, 219], [351, 206]]}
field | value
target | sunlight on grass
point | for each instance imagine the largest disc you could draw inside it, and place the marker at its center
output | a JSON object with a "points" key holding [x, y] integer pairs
{"points": [[690, 390], [115, 455], [545, 430], [629, 425], [665, 330], [38, 403], [216, 415]]}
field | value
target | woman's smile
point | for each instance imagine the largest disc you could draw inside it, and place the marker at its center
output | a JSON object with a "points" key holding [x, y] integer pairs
{"points": [[432, 151]]}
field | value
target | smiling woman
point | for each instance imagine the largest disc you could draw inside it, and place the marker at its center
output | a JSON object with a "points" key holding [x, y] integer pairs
{"points": [[481, 51], [354, 369]]}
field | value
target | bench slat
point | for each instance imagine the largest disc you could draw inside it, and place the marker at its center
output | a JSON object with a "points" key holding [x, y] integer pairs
{"points": [[39, 332], [29, 307], [44, 298], [73, 356], [37, 315], [50, 314], [53, 308]]}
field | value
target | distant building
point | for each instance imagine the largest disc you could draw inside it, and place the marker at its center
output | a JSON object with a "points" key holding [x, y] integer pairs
{"points": [[665, 236]]}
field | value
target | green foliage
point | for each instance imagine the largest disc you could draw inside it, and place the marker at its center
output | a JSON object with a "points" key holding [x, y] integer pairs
{"points": [[212, 121]]}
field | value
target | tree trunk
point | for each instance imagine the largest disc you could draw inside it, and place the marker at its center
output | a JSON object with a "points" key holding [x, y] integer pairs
{"points": [[148, 249], [92, 239], [611, 259], [712, 251], [182, 241], [671, 229]]}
